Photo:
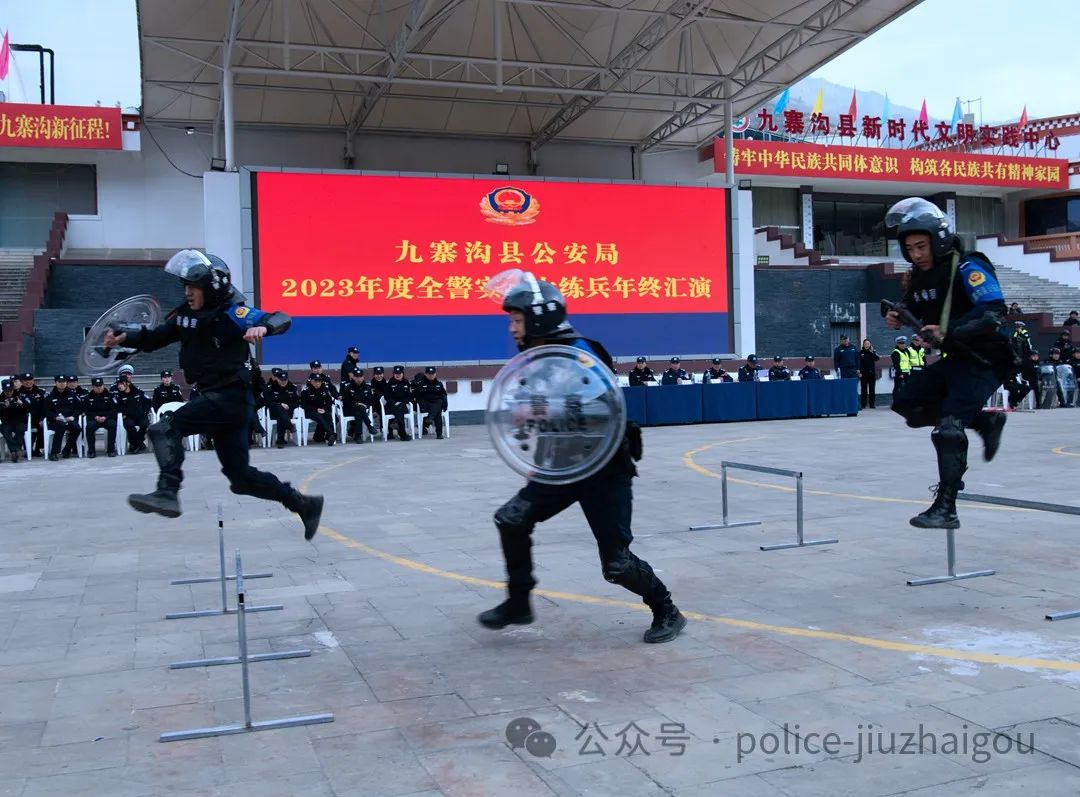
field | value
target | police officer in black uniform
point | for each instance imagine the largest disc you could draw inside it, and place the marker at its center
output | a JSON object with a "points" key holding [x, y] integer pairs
{"points": [[100, 409], [779, 372], [398, 396], [675, 375], [62, 410], [34, 397], [641, 373], [214, 330], [957, 298], [432, 399], [749, 372], [809, 371], [281, 400], [74, 386], [349, 364], [316, 368], [537, 317], [134, 412], [318, 405], [166, 392], [356, 400], [716, 373], [14, 409]]}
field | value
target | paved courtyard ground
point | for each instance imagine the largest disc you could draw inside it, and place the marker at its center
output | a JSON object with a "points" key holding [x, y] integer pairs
{"points": [[828, 642]]}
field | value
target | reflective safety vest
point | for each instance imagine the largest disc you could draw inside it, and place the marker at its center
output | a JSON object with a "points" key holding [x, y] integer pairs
{"points": [[906, 360], [917, 357]]}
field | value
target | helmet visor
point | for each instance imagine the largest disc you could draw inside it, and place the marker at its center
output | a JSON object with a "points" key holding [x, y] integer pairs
{"points": [[188, 264], [910, 209]]}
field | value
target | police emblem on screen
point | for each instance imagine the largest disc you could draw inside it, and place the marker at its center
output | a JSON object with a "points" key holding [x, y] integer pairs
{"points": [[510, 207]]}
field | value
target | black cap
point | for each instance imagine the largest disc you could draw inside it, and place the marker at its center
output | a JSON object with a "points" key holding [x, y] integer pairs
{"points": [[314, 364], [751, 358], [777, 359], [675, 360], [73, 378], [641, 360], [399, 369], [353, 350], [1055, 350], [356, 372], [715, 360], [7, 384], [97, 381], [166, 373], [59, 378], [378, 370], [313, 377], [430, 369], [809, 358], [843, 337], [26, 375], [280, 373]]}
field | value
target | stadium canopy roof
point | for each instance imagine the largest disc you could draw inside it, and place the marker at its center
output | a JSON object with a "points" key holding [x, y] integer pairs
{"points": [[646, 73]]}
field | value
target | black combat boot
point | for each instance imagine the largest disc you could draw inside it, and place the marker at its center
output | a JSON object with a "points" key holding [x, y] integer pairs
{"points": [[309, 508], [667, 622], [514, 610], [989, 426], [942, 513], [163, 501]]}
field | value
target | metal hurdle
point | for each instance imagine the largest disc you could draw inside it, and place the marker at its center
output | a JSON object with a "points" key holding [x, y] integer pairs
{"points": [[222, 577], [1038, 506], [248, 725], [800, 542]]}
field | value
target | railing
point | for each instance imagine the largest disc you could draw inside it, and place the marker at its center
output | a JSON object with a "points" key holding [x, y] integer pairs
{"points": [[1065, 245]]}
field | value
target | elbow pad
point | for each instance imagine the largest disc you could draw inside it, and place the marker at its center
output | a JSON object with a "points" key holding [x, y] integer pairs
{"points": [[982, 326], [277, 323]]}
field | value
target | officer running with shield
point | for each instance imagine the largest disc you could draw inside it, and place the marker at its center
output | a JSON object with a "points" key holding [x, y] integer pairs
{"points": [[213, 328], [956, 299], [538, 318]]}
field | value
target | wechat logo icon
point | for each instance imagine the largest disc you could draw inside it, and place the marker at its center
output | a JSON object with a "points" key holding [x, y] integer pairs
{"points": [[526, 732]]}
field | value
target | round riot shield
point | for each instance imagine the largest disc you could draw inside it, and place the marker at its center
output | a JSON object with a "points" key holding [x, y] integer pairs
{"points": [[556, 414], [130, 314]]}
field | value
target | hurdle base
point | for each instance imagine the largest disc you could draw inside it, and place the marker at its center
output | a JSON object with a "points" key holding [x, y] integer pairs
{"points": [[217, 612], [1063, 615], [230, 730], [276, 656], [214, 579], [736, 524], [803, 544], [919, 582]]}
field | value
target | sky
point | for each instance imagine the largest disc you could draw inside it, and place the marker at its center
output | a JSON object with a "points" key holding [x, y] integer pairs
{"points": [[1008, 52], [96, 44]]}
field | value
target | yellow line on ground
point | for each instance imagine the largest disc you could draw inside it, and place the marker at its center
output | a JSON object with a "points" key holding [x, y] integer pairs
{"points": [[914, 648], [688, 460], [1060, 451]]}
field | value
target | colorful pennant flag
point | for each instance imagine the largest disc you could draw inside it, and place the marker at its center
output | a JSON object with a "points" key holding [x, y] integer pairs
{"points": [[853, 109], [922, 114], [819, 103], [1023, 117], [957, 115], [782, 102], [5, 56]]}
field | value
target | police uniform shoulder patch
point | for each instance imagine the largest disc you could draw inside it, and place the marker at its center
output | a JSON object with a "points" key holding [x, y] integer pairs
{"points": [[240, 311], [976, 278]]}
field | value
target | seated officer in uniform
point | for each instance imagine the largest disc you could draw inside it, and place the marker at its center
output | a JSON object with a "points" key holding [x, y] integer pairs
{"points": [[74, 386], [281, 400], [809, 371], [432, 400], [675, 375], [749, 372], [641, 373], [100, 408], [318, 404], [316, 368], [14, 409], [356, 399], [62, 411], [134, 410], [166, 392], [398, 396], [779, 372], [716, 373]]}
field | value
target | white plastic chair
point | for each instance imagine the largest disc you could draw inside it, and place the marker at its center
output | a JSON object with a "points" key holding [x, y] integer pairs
{"points": [[191, 440], [342, 421], [121, 436], [303, 425], [410, 421], [418, 420]]}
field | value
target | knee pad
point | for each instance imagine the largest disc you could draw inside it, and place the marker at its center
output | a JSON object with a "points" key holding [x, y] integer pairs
{"points": [[949, 434], [513, 515], [159, 429], [618, 565]]}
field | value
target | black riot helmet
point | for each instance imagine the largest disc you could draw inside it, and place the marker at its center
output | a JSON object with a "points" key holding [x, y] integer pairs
{"points": [[539, 301], [208, 272], [916, 214]]}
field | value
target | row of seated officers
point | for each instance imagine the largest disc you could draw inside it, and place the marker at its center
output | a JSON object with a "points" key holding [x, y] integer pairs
{"points": [[642, 374]]}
